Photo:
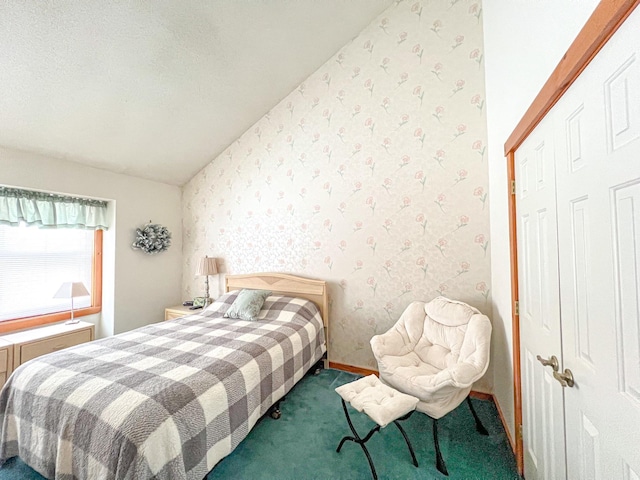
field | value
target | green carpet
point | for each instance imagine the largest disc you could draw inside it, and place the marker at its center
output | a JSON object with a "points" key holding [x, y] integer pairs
{"points": [[302, 444]]}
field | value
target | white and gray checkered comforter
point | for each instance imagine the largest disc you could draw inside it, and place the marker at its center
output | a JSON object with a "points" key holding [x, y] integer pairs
{"points": [[165, 401]]}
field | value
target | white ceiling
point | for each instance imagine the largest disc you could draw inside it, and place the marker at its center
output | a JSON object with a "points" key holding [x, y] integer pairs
{"points": [[157, 89]]}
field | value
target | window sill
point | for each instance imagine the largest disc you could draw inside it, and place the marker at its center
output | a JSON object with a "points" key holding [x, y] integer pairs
{"points": [[29, 322]]}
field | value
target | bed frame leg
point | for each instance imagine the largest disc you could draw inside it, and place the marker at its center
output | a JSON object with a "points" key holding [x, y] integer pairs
{"points": [[318, 367], [274, 411]]}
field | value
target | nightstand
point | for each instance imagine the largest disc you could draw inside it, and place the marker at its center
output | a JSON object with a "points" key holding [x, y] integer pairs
{"points": [[178, 311], [6, 361], [28, 344]]}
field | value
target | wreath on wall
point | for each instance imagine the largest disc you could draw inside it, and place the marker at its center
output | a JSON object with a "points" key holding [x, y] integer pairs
{"points": [[152, 238]]}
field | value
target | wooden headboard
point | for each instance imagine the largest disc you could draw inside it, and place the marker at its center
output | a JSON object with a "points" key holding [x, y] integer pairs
{"points": [[285, 284]]}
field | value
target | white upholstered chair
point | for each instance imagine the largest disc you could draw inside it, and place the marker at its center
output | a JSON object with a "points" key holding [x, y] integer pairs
{"points": [[435, 352]]}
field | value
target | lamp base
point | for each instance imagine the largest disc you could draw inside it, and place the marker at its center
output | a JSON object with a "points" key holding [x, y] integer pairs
{"points": [[71, 321]]}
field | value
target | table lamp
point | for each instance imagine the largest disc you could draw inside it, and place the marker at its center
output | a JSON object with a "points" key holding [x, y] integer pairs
{"points": [[207, 266], [71, 290]]}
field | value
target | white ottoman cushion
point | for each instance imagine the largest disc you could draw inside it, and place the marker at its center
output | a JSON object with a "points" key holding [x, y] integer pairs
{"points": [[380, 402]]}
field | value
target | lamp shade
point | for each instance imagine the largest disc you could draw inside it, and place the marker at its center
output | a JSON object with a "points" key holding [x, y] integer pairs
{"points": [[207, 266], [71, 290]]}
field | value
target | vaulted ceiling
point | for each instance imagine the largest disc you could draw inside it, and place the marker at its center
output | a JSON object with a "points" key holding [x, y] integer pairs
{"points": [[157, 89]]}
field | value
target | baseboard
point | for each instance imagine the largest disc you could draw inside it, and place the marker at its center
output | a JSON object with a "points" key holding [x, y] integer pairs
{"points": [[504, 424], [481, 396], [352, 369]]}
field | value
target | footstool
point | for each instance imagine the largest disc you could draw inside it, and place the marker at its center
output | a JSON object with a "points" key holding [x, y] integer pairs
{"points": [[382, 404]]}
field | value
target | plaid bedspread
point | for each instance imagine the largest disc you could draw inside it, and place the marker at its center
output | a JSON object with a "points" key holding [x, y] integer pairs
{"points": [[165, 401]]}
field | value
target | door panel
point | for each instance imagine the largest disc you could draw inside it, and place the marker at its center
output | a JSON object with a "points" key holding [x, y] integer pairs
{"points": [[581, 270], [621, 97], [629, 473], [543, 242], [543, 435], [530, 414], [552, 425], [598, 220], [590, 448], [626, 211]]}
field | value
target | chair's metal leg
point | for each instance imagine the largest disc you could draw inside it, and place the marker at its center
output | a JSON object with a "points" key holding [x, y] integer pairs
{"points": [[406, 439], [360, 441], [440, 465], [479, 427]]}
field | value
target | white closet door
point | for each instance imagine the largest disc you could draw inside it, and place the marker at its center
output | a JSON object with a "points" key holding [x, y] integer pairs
{"points": [[543, 432], [597, 124]]}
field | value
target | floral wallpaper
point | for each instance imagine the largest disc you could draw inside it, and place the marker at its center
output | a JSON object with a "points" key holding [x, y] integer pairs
{"points": [[372, 175]]}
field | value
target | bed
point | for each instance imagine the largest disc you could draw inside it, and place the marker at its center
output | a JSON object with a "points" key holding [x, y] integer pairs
{"points": [[168, 400]]}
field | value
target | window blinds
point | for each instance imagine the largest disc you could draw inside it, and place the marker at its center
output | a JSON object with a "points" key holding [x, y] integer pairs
{"points": [[34, 262]]}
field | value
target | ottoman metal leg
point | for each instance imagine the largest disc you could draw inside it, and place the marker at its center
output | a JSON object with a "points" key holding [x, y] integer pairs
{"points": [[383, 405], [360, 441], [406, 439]]}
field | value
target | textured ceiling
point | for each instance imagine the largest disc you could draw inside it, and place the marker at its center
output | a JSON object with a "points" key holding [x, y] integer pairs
{"points": [[157, 89]]}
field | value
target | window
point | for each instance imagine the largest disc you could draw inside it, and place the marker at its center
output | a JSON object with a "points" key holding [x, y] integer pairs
{"points": [[47, 239], [34, 262]]}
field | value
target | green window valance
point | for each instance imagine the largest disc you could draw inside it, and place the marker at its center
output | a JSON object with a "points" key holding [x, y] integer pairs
{"points": [[49, 210]]}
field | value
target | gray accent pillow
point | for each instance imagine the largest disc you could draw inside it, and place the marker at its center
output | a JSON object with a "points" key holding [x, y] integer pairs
{"points": [[247, 304]]}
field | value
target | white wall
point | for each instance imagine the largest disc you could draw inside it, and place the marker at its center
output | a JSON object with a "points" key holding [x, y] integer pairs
{"points": [[524, 41], [136, 287]]}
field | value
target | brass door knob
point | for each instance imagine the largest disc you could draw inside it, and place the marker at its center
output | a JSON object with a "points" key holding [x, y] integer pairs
{"points": [[551, 362], [565, 379]]}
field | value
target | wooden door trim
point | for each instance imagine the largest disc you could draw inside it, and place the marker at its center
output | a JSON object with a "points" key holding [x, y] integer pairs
{"points": [[515, 317], [602, 24], [605, 20]]}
